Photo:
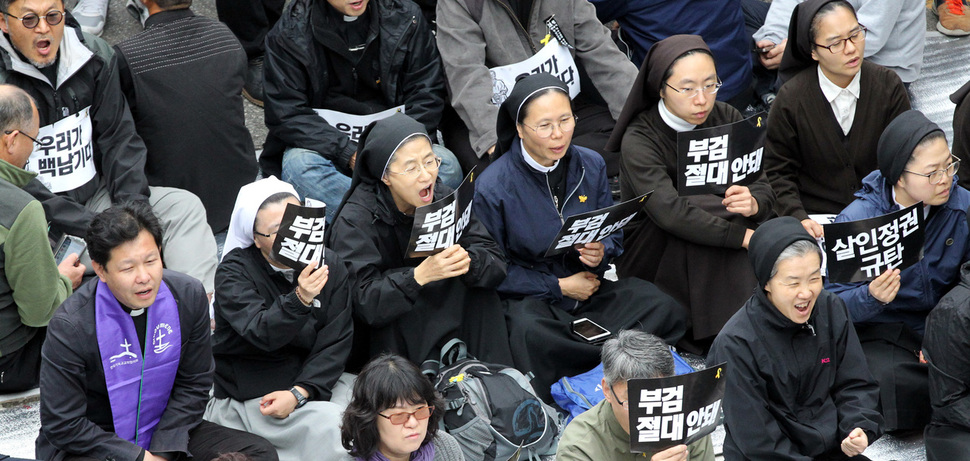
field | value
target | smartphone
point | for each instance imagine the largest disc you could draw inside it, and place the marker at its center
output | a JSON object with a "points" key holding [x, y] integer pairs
{"points": [[69, 244], [590, 330]]}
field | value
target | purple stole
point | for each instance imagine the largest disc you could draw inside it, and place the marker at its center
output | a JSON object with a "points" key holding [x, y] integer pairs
{"points": [[138, 387], [425, 453]]}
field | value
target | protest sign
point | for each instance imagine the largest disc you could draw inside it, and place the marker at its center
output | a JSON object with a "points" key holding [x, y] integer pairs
{"points": [[63, 157], [554, 58], [711, 160], [299, 240], [353, 125], [596, 225], [439, 225], [823, 219], [859, 251], [681, 409]]}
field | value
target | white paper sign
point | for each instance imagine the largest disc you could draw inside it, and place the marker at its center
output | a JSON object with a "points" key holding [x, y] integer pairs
{"points": [[353, 125], [553, 59], [65, 159]]}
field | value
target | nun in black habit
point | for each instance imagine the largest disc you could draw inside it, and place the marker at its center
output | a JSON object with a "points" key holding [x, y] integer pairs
{"points": [[684, 244], [413, 306]]}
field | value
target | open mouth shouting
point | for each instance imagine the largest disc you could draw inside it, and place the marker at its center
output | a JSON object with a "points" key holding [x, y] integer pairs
{"points": [[427, 193]]}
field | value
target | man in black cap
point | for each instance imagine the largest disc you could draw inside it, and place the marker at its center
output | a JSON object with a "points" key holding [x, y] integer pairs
{"points": [[797, 382], [915, 166]]}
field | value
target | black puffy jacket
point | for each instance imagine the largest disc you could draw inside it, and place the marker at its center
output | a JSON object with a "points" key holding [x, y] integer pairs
{"points": [[297, 79]]}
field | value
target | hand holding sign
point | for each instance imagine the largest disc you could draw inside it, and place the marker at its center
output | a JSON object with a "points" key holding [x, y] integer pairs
{"points": [[591, 254], [864, 250], [676, 453], [311, 281], [451, 262], [738, 199], [885, 287]]}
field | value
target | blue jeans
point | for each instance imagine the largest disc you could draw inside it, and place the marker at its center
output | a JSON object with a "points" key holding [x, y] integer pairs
{"points": [[314, 176]]}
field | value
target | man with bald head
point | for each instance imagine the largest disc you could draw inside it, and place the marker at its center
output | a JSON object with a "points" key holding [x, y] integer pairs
{"points": [[31, 284], [90, 156]]}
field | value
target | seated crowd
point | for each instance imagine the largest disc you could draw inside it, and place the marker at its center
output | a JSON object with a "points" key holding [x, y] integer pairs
{"points": [[152, 344]]}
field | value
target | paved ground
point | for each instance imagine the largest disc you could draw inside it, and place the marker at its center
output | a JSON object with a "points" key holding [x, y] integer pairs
{"points": [[942, 74]]}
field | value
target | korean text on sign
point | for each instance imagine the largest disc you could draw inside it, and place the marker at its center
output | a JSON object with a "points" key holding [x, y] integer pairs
{"points": [[306, 243], [63, 157], [880, 248], [439, 227]]}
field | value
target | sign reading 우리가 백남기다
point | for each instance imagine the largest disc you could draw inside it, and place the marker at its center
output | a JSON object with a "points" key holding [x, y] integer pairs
{"points": [[299, 240], [596, 225], [676, 410], [63, 157], [711, 160], [353, 125], [554, 58], [859, 251], [439, 225]]}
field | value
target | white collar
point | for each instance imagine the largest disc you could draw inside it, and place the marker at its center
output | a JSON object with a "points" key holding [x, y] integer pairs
{"points": [[676, 123], [926, 208], [534, 164], [72, 55], [832, 91]]}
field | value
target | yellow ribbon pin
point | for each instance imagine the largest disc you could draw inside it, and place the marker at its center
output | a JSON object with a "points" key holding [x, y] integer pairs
{"points": [[545, 41], [718, 375], [582, 199], [759, 122]]}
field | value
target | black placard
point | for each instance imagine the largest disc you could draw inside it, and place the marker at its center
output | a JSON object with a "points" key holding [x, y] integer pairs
{"points": [[711, 160], [439, 225], [860, 251], [681, 409], [300, 237], [596, 225]]}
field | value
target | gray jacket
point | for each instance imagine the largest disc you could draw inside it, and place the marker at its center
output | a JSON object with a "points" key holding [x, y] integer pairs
{"points": [[469, 48]]}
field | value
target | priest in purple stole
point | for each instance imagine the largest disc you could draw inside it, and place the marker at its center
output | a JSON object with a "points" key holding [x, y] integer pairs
{"points": [[127, 365]]}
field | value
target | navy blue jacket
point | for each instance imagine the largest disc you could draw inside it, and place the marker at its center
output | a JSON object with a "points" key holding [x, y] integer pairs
{"points": [[923, 284], [720, 22], [514, 202]]}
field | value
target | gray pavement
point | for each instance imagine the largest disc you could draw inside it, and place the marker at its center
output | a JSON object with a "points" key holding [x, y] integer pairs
{"points": [[942, 74]]}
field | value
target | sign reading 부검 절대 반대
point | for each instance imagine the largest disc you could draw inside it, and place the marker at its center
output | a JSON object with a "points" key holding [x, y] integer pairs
{"points": [[440, 224], [596, 225], [300, 239], [711, 160], [859, 251], [665, 412]]}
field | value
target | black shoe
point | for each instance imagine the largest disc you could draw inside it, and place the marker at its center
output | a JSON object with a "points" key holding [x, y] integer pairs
{"points": [[253, 88]]}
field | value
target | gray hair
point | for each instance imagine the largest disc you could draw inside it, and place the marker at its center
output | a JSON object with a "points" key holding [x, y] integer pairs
{"points": [[635, 354], [799, 248], [16, 108]]}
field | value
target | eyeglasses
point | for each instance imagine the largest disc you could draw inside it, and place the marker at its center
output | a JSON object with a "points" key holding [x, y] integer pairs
{"points": [[39, 143], [623, 403], [269, 235], [855, 37], [545, 130], [430, 165], [398, 419], [31, 20], [695, 92], [937, 176]]}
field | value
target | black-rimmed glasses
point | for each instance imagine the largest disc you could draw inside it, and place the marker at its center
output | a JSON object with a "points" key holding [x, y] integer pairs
{"points": [[31, 20], [839, 45], [39, 143]]}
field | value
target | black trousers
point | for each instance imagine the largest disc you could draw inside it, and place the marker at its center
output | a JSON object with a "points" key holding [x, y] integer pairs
{"points": [[209, 440], [946, 443], [250, 20], [20, 369], [543, 342]]}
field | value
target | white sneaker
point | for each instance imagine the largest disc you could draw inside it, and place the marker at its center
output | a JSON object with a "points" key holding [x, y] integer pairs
{"points": [[138, 10], [91, 15]]}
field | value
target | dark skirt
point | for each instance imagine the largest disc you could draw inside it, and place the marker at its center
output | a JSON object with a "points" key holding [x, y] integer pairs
{"points": [[544, 344], [444, 311], [712, 283], [946, 443], [891, 351]]}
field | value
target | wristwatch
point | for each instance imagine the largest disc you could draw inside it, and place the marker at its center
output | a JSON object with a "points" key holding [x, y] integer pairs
{"points": [[300, 399]]}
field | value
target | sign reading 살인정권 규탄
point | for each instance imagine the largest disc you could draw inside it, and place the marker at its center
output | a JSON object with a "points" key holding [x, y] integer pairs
{"points": [[596, 225], [859, 251], [440, 224], [665, 412], [299, 240], [711, 160]]}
